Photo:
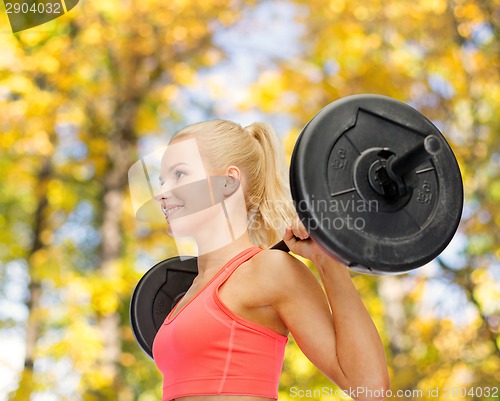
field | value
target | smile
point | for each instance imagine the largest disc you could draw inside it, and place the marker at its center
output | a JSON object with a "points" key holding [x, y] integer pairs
{"points": [[169, 210]]}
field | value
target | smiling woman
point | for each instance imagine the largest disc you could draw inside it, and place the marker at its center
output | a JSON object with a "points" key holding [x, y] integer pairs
{"points": [[207, 161], [187, 197], [226, 186]]}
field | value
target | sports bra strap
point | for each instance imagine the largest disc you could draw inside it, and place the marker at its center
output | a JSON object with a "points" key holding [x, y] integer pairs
{"points": [[238, 260]]}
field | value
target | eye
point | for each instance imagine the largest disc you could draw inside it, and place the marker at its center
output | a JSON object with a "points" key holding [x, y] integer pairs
{"points": [[179, 174]]}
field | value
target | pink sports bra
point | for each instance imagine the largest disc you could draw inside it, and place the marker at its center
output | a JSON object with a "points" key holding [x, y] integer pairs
{"points": [[205, 349]]}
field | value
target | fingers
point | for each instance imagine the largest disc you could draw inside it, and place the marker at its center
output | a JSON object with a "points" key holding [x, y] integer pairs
{"points": [[294, 236], [288, 234], [304, 248], [291, 240], [298, 229]]}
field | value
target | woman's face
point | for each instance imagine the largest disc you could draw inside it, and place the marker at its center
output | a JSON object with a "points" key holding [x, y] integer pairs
{"points": [[188, 189]]}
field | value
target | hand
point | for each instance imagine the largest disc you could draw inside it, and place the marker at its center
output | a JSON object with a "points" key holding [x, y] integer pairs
{"points": [[299, 242]]}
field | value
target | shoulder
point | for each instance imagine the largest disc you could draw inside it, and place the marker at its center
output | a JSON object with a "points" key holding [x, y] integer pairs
{"points": [[280, 273], [272, 262]]}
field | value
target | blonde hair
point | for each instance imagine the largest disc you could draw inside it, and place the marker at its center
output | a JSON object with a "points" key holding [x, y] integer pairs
{"points": [[258, 152]]}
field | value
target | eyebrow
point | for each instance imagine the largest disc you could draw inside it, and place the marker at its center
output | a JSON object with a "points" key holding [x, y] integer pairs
{"points": [[170, 169]]}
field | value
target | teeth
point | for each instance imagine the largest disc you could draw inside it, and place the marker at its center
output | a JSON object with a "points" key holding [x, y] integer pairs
{"points": [[172, 210]]}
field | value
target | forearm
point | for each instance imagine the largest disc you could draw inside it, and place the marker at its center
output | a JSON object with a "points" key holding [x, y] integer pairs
{"points": [[359, 349]]}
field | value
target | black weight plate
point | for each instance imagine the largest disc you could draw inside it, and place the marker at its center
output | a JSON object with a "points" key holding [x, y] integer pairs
{"points": [[156, 294], [369, 233]]}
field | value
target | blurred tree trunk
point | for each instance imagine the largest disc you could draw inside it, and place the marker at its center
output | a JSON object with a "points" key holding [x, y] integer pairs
{"points": [[34, 320], [120, 157]]}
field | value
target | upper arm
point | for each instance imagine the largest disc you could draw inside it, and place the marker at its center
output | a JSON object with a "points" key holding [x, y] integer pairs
{"points": [[301, 303]]}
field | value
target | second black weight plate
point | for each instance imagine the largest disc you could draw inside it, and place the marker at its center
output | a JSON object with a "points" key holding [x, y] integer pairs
{"points": [[157, 292], [332, 193]]}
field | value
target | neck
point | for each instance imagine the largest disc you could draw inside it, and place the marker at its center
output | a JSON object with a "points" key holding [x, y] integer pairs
{"points": [[209, 263]]}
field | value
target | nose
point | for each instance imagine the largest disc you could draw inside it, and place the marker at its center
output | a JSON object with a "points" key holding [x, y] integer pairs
{"points": [[162, 194]]}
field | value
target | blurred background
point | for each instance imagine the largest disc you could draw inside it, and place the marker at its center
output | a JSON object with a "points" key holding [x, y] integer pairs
{"points": [[84, 96]]}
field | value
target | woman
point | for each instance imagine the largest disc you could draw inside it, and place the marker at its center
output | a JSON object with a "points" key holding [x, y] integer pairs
{"points": [[226, 187]]}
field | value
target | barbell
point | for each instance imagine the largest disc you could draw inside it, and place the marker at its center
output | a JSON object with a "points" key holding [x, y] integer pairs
{"points": [[374, 182]]}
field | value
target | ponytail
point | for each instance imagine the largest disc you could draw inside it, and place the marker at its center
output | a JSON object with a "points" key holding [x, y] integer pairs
{"points": [[270, 202]]}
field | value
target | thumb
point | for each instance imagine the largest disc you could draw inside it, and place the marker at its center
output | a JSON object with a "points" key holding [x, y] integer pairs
{"points": [[288, 234], [289, 238]]}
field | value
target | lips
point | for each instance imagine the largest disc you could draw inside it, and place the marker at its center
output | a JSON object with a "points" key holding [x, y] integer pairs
{"points": [[169, 210]]}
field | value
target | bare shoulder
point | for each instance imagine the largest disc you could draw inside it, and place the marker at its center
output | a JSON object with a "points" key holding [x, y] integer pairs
{"points": [[279, 272], [274, 261]]}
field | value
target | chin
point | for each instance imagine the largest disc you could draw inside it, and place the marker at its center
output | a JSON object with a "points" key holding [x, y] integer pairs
{"points": [[183, 227]]}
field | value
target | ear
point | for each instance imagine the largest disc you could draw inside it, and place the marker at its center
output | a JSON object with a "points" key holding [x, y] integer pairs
{"points": [[232, 181], [230, 186]]}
